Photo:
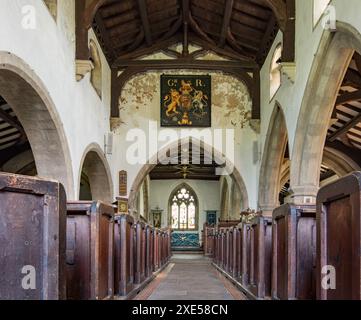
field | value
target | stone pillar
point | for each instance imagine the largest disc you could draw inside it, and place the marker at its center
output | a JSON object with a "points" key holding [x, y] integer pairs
{"points": [[304, 195]]}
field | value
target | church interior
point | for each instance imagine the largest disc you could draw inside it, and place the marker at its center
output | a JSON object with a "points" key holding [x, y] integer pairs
{"points": [[180, 150]]}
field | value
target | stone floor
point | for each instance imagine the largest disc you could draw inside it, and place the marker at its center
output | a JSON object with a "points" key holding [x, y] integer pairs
{"points": [[190, 277]]}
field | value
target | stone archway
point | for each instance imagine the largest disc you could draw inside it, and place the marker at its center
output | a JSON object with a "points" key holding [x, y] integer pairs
{"points": [[208, 150], [271, 166], [31, 102], [339, 162], [329, 68], [95, 166]]}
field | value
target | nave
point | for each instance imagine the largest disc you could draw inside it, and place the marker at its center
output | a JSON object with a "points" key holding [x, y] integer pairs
{"points": [[190, 277]]}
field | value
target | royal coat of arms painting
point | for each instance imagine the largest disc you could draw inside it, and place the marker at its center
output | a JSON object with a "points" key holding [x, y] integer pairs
{"points": [[186, 101]]}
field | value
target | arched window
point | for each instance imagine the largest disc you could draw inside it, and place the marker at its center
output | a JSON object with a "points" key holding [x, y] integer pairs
{"points": [[275, 72], [183, 206], [96, 73]]}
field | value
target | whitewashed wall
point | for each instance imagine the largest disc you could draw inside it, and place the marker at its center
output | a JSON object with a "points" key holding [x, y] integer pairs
{"points": [[207, 192], [50, 51]]}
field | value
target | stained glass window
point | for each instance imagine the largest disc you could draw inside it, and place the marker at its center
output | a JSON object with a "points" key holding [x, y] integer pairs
{"points": [[183, 209]]}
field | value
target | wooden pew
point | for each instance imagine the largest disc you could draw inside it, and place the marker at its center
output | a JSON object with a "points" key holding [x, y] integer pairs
{"points": [[149, 251], [229, 251], [245, 263], [124, 254], [208, 240], [294, 252], [261, 249], [236, 253], [140, 250], [338, 238], [32, 238], [89, 251]]}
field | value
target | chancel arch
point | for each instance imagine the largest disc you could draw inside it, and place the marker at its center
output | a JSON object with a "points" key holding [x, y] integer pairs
{"points": [[207, 150], [274, 161], [36, 119], [318, 112], [95, 182]]}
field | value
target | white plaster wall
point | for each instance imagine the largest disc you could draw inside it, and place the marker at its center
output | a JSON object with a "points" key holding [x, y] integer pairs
{"points": [[140, 102], [49, 50], [207, 192]]}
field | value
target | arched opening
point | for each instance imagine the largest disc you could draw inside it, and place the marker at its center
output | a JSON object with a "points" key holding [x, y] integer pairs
{"points": [[321, 107], [183, 206], [95, 179], [96, 74], [208, 152], [274, 173], [275, 71], [35, 143]]}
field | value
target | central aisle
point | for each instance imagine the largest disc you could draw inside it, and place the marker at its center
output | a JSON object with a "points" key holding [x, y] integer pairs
{"points": [[190, 277]]}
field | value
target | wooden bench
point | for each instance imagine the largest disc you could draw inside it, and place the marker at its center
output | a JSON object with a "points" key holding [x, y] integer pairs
{"points": [[90, 250], [124, 254], [294, 252], [338, 238], [32, 238], [260, 256], [140, 250]]}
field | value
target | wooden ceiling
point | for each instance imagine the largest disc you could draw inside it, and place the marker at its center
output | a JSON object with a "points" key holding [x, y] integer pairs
{"points": [[346, 119], [13, 139], [242, 29], [189, 163]]}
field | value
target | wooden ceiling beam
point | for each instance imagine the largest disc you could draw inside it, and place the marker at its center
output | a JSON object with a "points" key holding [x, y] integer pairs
{"points": [[279, 9], [354, 122], [226, 22], [348, 97], [142, 6], [185, 63], [12, 121]]}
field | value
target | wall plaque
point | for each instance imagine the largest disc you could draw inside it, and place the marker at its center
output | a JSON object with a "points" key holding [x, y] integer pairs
{"points": [[123, 179]]}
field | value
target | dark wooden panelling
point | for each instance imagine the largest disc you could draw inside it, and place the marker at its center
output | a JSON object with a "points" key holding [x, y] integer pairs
{"points": [[260, 256], [294, 252], [338, 237], [32, 233], [123, 256], [90, 250]]}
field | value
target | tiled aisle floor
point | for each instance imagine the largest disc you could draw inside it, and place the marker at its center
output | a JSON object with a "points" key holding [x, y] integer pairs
{"points": [[190, 277]]}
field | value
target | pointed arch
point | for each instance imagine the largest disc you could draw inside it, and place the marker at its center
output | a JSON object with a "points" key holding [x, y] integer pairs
{"points": [[192, 199], [156, 159], [272, 160], [329, 68]]}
